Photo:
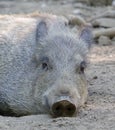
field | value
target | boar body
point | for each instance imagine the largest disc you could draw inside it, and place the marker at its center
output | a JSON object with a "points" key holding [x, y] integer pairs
{"points": [[42, 66]]}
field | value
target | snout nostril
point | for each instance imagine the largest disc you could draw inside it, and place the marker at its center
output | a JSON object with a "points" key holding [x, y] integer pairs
{"points": [[57, 109], [70, 110]]}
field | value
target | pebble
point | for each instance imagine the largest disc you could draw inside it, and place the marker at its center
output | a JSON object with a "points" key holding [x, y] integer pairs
{"points": [[77, 20], [113, 3], [113, 41], [104, 22], [100, 2], [104, 41]]}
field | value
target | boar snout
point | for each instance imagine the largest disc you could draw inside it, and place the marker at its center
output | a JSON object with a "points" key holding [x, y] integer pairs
{"points": [[63, 108]]}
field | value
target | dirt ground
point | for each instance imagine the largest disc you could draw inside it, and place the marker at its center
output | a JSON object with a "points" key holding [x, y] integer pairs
{"points": [[99, 113]]}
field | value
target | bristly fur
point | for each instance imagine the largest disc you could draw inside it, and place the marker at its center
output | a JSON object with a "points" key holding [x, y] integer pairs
{"points": [[23, 82]]}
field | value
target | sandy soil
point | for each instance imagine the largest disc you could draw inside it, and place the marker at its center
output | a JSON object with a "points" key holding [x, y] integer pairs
{"points": [[99, 113]]}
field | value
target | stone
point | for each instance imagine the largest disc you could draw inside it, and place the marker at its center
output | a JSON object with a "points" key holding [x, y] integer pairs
{"points": [[104, 22], [100, 2], [104, 41]]}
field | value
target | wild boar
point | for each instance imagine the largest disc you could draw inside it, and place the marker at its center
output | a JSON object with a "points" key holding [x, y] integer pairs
{"points": [[42, 63]]}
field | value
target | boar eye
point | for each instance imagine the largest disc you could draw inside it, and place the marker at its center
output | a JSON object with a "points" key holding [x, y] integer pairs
{"points": [[44, 66], [82, 67], [45, 63]]}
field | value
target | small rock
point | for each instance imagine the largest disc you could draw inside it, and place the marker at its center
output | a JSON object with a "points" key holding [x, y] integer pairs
{"points": [[43, 5], [113, 3], [104, 22], [77, 20], [77, 12], [104, 41], [113, 41], [100, 2]]}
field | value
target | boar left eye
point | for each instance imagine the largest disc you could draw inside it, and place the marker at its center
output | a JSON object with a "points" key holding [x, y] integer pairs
{"points": [[82, 66], [45, 63]]}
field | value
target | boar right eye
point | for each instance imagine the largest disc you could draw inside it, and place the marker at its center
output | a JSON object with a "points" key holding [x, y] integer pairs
{"points": [[82, 66], [45, 66]]}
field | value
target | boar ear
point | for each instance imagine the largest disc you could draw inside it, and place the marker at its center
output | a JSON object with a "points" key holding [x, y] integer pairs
{"points": [[87, 36], [41, 30]]}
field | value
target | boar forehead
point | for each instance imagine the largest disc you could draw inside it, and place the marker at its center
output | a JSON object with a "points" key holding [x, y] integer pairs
{"points": [[64, 48]]}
